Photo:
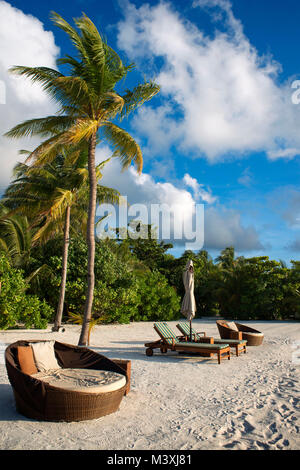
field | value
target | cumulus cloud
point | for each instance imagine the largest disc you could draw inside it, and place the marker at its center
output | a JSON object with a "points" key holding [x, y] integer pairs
{"points": [[221, 227], [227, 95], [291, 214], [158, 127], [200, 194], [287, 153], [23, 41], [285, 201]]}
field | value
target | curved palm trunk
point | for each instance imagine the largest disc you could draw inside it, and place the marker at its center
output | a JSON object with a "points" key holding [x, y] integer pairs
{"points": [[83, 340], [60, 307]]}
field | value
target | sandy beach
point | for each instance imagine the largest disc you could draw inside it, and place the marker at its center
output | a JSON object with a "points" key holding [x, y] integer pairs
{"points": [[176, 402]]}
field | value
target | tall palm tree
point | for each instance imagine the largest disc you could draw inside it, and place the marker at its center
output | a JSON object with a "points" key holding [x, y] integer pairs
{"points": [[49, 194], [89, 102]]}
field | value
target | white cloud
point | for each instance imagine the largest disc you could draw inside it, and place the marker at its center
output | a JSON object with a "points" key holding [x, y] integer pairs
{"points": [[246, 178], [199, 192], [288, 153], [228, 95], [222, 227], [158, 127], [23, 41]]}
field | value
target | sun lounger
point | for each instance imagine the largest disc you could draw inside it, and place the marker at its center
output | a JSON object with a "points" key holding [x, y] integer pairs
{"points": [[238, 345], [169, 341]]}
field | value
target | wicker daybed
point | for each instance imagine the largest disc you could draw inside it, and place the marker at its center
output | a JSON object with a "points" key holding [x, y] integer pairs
{"points": [[39, 400], [233, 330]]}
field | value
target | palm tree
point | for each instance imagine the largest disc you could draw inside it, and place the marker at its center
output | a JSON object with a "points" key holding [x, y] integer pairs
{"points": [[89, 102], [15, 237], [226, 259], [48, 194], [16, 241]]}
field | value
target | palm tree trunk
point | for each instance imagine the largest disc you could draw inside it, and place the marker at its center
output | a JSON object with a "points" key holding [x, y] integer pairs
{"points": [[60, 307], [83, 340]]}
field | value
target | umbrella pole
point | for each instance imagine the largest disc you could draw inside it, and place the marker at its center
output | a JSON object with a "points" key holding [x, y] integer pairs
{"points": [[191, 339]]}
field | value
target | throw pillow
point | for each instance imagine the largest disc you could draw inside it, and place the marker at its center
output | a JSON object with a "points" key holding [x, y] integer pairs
{"points": [[26, 360], [232, 325], [44, 355]]}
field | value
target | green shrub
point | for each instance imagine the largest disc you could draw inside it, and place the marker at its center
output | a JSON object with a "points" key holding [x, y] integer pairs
{"points": [[158, 300], [121, 294], [17, 308]]}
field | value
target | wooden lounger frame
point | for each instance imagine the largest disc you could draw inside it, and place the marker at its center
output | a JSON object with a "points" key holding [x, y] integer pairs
{"points": [[182, 346], [239, 347]]}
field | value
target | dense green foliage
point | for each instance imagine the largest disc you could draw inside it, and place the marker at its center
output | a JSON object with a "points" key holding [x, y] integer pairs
{"points": [[124, 289], [137, 280], [17, 307]]}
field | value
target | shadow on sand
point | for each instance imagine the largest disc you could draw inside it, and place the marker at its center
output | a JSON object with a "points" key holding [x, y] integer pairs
{"points": [[139, 354], [8, 410]]}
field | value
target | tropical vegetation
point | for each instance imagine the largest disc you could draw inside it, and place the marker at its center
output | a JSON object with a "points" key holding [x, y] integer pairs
{"points": [[88, 103], [54, 269]]}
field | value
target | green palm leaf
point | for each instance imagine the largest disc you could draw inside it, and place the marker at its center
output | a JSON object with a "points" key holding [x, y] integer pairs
{"points": [[124, 146]]}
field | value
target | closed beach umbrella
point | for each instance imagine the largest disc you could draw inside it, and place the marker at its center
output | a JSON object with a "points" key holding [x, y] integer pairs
{"points": [[188, 306]]}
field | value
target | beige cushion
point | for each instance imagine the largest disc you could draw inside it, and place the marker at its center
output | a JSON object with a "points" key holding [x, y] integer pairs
{"points": [[83, 380], [44, 355], [232, 325]]}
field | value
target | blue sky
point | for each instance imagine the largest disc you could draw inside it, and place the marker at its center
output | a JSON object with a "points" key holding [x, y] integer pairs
{"points": [[223, 131]]}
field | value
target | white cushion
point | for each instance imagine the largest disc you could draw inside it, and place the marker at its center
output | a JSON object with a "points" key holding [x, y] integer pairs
{"points": [[83, 380], [232, 325], [44, 355]]}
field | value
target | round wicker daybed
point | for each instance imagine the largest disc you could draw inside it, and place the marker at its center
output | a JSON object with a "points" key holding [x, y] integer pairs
{"points": [[228, 331], [40, 400]]}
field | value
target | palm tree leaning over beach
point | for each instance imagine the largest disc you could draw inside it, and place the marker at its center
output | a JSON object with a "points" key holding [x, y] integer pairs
{"points": [[88, 103], [50, 195]]}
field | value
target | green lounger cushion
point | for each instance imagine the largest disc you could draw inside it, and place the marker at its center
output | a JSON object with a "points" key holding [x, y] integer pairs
{"points": [[166, 332], [187, 344], [169, 336], [184, 327], [231, 341]]}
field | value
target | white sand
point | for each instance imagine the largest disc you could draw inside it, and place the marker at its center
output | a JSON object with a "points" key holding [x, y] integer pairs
{"points": [[176, 402]]}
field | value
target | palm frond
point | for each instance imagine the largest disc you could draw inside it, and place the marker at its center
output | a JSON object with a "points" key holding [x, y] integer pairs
{"points": [[82, 130], [72, 33], [42, 127], [62, 199], [107, 195], [47, 150], [92, 40], [139, 95], [124, 145]]}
